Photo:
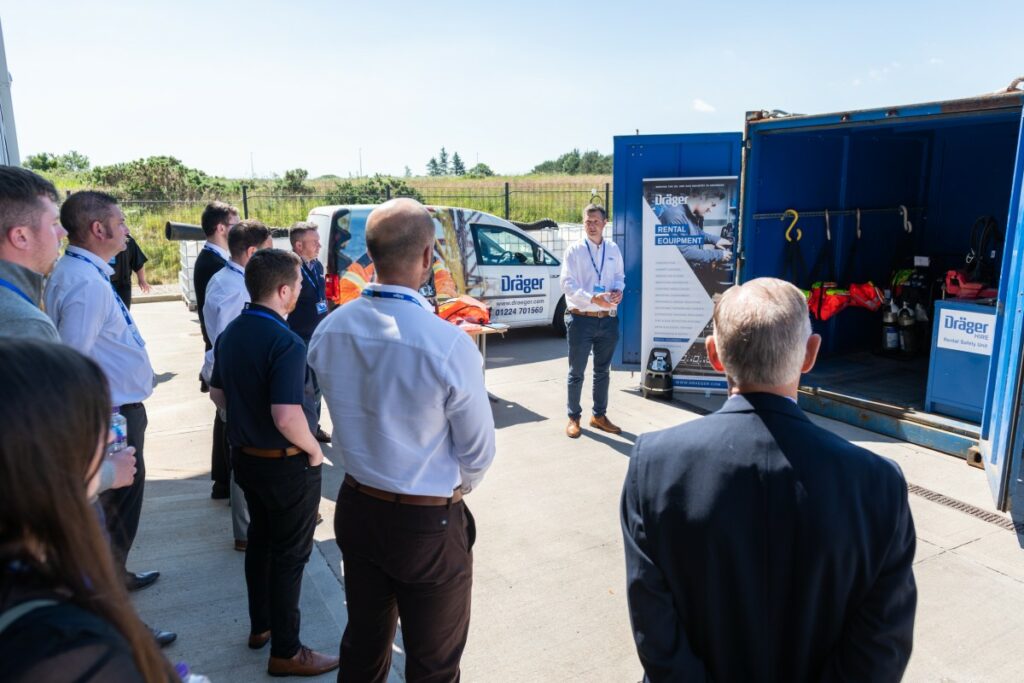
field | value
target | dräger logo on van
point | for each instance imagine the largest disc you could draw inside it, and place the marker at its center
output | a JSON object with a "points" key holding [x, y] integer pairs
{"points": [[964, 325], [521, 284]]}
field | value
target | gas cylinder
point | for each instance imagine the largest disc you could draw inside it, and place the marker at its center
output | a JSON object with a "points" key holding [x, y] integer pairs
{"points": [[890, 334], [907, 324]]}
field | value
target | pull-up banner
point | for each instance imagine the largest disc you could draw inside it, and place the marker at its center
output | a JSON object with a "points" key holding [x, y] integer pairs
{"points": [[688, 236]]}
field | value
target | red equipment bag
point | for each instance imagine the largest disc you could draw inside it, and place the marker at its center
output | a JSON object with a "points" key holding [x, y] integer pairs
{"points": [[959, 286], [465, 309], [865, 296], [825, 300]]}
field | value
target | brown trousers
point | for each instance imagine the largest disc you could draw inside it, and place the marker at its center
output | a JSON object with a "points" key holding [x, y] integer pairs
{"points": [[404, 561]]}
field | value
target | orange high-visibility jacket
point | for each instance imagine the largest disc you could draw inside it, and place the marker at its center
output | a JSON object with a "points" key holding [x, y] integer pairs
{"points": [[360, 273]]}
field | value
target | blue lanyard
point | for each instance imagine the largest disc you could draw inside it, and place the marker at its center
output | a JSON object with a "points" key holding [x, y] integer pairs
{"points": [[309, 278], [371, 293], [215, 253], [235, 268], [117, 297], [593, 262], [14, 288], [261, 314]]}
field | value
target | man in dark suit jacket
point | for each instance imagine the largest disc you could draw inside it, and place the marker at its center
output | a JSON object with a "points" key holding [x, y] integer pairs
{"points": [[759, 546], [217, 220]]}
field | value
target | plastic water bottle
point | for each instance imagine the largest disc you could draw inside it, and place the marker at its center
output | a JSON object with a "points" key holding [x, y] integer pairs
{"points": [[181, 668], [118, 432]]}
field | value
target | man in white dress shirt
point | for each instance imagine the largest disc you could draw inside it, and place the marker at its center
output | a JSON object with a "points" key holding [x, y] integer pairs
{"points": [[593, 277], [414, 427], [226, 296], [91, 318]]}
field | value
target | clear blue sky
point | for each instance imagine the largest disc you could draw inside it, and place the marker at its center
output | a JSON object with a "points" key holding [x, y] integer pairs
{"points": [[309, 83]]}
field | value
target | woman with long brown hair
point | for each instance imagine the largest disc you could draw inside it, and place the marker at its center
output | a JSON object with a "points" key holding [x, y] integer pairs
{"points": [[64, 612]]}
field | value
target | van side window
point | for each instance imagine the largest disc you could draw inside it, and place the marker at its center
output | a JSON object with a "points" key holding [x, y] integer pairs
{"points": [[502, 247]]}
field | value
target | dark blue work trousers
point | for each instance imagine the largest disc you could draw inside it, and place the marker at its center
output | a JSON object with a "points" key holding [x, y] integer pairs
{"points": [[586, 334]]}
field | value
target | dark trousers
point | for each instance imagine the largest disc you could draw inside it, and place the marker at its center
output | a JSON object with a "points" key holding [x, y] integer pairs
{"points": [[404, 561], [220, 455], [586, 334], [123, 506], [283, 495], [125, 292]]}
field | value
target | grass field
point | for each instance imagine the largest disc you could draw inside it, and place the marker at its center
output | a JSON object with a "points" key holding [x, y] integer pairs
{"points": [[530, 198]]}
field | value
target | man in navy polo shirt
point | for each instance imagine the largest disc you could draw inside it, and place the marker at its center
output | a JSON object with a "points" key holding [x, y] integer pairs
{"points": [[259, 376], [311, 307]]}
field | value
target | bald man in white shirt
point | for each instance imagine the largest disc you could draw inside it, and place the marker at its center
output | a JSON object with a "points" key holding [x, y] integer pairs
{"points": [[414, 427]]}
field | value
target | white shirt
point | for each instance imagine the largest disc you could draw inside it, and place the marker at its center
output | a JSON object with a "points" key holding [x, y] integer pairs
{"points": [[406, 394], [220, 251], [226, 296], [581, 264], [91, 318]]}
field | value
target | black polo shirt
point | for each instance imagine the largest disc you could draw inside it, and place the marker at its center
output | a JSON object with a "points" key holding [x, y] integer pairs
{"points": [[259, 362], [304, 319]]}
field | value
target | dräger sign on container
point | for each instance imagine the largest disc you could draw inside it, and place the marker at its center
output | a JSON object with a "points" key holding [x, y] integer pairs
{"points": [[476, 254]]}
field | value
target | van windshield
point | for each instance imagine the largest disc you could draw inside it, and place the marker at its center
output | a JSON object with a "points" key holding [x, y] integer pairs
{"points": [[348, 238]]}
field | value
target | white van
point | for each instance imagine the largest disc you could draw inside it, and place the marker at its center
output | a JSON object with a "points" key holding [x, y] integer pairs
{"points": [[489, 258]]}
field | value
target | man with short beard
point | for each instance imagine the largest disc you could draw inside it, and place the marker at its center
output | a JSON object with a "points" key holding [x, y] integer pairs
{"points": [[90, 317]]}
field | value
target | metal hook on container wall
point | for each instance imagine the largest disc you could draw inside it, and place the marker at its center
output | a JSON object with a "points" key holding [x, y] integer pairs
{"points": [[828, 227], [858, 223], [796, 217], [907, 225]]}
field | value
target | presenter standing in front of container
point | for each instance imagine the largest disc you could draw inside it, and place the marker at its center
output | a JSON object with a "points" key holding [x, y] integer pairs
{"points": [[593, 278]]}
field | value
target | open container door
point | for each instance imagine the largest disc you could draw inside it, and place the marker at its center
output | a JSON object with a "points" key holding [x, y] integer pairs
{"points": [[637, 157], [1002, 439]]}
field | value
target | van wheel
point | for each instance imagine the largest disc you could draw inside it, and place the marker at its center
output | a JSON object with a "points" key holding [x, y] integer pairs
{"points": [[558, 323]]}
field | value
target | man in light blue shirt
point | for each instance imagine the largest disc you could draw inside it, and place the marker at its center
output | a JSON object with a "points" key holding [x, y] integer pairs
{"points": [[593, 278]]}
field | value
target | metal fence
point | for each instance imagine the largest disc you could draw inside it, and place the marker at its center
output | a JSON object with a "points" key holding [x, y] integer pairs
{"points": [[525, 202], [518, 202]]}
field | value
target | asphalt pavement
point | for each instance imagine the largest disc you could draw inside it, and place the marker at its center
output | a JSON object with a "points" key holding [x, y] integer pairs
{"points": [[549, 598]]}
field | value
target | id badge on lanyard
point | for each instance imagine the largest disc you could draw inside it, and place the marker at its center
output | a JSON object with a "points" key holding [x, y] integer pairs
{"points": [[321, 307]]}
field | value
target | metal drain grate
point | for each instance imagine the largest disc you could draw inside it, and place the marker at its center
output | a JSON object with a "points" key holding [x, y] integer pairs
{"points": [[966, 508]]}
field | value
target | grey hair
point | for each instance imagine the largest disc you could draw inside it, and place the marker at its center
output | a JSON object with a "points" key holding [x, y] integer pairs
{"points": [[761, 331]]}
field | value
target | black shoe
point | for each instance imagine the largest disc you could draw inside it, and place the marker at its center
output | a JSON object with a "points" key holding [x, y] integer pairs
{"points": [[136, 582], [163, 638], [220, 492], [322, 436]]}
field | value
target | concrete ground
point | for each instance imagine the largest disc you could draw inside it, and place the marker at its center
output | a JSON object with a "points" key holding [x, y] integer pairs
{"points": [[548, 601]]}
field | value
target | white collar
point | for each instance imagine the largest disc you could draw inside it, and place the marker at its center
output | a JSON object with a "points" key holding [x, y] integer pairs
{"points": [[93, 258], [224, 253], [397, 289]]}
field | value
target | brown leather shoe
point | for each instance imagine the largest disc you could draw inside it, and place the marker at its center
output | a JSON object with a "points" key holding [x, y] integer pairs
{"points": [[240, 546], [572, 430], [304, 663], [604, 424], [258, 640]]}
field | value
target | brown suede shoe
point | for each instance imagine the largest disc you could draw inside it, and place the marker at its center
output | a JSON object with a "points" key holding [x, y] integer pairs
{"points": [[258, 640], [604, 424], [572, 430], [304, 663]]}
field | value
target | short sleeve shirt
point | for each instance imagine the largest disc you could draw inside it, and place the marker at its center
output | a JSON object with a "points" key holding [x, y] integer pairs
{"points": [[260, 362]]}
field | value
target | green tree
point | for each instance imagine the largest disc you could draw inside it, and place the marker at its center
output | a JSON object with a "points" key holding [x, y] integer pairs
{"points": [[590, 162], [162, 177], [480, 171], [43, 161], [432, 168], [294, 182], [442, 162], [458, 168], [372, 190], [74, 162]]}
